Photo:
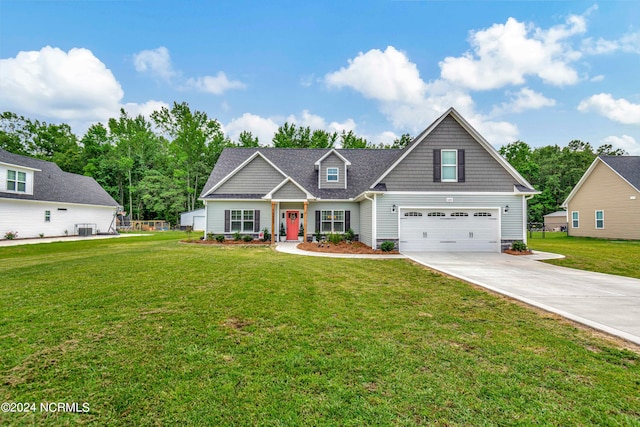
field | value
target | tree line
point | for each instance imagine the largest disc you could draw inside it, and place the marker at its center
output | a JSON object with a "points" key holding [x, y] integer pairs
{"points": [[156, 168]]}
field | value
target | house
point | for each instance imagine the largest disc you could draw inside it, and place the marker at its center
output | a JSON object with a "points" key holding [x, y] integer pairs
{"points": [[555, 221], [448, 190], [605, 202], [38, 198], [193, 219]]}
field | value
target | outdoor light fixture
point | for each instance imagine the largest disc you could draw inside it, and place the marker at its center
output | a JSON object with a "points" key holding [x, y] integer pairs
{"points": [[393, 208], [506, 209]]}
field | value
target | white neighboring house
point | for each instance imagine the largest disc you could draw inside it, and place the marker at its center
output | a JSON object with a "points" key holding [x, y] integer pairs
{"points": [[38, 198], [194, 219]]}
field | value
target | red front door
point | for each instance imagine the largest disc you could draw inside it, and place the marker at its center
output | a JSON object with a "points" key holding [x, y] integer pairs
{"points": [[293, 225]]}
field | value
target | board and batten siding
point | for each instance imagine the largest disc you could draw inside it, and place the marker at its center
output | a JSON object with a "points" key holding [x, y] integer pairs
{"points": [[289, 191], [332, 161], [512, 227], [257, 177], [366, 222], [28, 218], [604, 190], [482, 171], [353, 207], [215, 214]]}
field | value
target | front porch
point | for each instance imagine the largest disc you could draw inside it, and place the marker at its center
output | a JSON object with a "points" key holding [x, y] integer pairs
{"points": [[289, 221]]}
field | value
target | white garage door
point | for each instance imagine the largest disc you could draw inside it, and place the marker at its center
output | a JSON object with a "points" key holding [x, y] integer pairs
{"points": [[449, 230]]}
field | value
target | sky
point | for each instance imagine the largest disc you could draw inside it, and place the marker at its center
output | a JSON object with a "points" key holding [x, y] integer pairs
{"points": [[543, 72]]}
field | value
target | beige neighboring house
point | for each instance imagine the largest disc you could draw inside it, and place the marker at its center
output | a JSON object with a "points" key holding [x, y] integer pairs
{"points": [[606, 201], [555, 221]]}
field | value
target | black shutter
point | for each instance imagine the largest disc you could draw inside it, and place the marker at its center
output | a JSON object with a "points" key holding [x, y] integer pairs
{"points": [[460, 165], [317, 220], [227, 221], [347, 220], [256, 221], [436, 166]]}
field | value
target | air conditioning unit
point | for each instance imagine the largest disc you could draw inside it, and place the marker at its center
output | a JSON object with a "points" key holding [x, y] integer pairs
{"points": [[84, 231]]}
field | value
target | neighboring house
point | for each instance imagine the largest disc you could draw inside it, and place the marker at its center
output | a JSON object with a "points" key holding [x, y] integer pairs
{"points": [[448, 190], [606, 201], [193, 219], [556, 221], [37, 197]]}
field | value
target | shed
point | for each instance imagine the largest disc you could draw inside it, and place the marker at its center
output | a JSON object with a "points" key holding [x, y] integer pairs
{"points": [[194, 219], [556, 221]]}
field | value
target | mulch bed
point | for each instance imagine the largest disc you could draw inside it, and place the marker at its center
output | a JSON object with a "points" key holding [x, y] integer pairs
{"points": [[227, 242], [343, 248], [512, 252]]}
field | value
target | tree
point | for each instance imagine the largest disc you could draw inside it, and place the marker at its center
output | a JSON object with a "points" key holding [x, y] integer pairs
{"points": [[404, 140], [350, 140], [246, 139]]}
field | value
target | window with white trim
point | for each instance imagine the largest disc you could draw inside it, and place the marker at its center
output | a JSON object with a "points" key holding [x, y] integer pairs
{"points": [[449, 166], [332, 221], [459, 214], [16, 181], [482, 214], [599, 219], [332, 174], [575, 219], [413, 213], [436, 214], [47, 216], [242, 220]]}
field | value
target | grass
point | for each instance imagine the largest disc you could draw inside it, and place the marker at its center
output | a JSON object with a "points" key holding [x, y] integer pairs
{"points": [[620, 257], [152, 332]]}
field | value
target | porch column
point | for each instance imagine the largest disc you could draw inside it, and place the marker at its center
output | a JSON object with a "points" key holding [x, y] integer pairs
{"points": [[273, 221], [304, 237]]}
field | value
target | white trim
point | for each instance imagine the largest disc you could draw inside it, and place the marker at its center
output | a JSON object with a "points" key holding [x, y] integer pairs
{"points": [[456, 193], [20, 166], [239, 168], [337, 175], [472, 132], [334, 151], [442, 165], [288, 179], [596, 219], [577, 219], [374, 222], [54, 202]]}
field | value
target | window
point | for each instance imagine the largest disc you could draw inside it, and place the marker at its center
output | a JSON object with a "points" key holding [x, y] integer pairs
{"points": [[482, 214], [459, 214], [599, 219], [47, 216], [575, 219], [436, 214], [449, 165], [242, 221], [332, 222], [332, 174], [16, 181], [413, 214]]}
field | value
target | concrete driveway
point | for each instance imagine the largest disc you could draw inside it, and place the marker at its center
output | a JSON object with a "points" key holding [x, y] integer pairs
{"points": [[602, 301]]}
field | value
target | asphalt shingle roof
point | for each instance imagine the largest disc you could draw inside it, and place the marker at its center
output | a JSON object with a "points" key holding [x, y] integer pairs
{"points": [[52, 184], [298, 163], [627, 166]]}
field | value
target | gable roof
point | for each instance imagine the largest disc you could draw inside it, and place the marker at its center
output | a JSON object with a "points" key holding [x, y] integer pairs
{"points": [[626, 167], [52, 184], [522, 185], [299, 165]]}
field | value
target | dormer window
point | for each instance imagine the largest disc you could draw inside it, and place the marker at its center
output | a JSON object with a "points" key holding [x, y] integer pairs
{"points": [[16, 181], [332, 174]]}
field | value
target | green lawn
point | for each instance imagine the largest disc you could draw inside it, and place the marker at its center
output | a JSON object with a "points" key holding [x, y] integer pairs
{"points": [[621, 257], [148, 331]]}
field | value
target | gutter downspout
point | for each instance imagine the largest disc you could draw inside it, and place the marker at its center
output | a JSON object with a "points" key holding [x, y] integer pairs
{"points": [[374, 242], [525, 215]]}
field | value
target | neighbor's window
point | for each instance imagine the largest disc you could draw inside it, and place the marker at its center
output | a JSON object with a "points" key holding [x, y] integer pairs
{"points": [[16, 181], [575, 219], [242, 220], [599, 219], [332, 174], [47, 216], [449, 165], [332, 222]]}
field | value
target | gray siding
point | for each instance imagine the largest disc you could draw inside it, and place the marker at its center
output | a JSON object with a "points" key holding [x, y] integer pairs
{"points": [[257, 177], [511, 222], [346, 206], [332, 161], [289, 191], [482, 171], [366, 222], [215, 214]]}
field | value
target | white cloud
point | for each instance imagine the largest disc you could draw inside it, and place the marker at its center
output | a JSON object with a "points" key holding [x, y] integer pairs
{"points": [[628, 43], [72, 85], [597, 78], [505, 54], [216, 85], [317, 122], [263, 128], [156, 61], [524, 99], [625, 142], [385, 76], [618, 110], [145, 109]]}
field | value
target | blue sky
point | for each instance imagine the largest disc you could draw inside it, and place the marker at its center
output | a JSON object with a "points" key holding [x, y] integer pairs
{"points": [[544, 72]]}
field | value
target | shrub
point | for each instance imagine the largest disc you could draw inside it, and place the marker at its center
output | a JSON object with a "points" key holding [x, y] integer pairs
{"points": [[387, 246], [41, 235], [210, 236], [266, 236], [220, 238], [282, 231], [10, 235], [335, 238], [237, 236], [350, 235], [519, 246], [247, 238], [318, 235], [301, 231]]}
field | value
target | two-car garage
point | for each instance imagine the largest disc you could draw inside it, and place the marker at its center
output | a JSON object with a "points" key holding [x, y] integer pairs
{"points": [[450, 230]]}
